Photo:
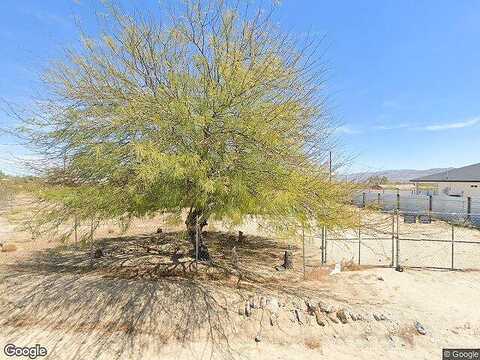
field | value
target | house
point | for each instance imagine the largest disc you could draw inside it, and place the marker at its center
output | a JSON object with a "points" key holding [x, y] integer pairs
{"points": [[464, 181]]}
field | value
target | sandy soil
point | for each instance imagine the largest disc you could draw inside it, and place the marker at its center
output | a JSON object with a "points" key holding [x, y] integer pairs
{"points": [[83, 309]]}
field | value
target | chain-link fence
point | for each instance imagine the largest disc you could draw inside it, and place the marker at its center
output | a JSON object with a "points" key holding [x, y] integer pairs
{"points": [[402, 238], [421, 239], [410, 238]]}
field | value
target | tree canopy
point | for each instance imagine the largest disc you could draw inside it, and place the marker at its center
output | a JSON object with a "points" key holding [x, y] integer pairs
{"points": [[211, 109], [376, 180]]}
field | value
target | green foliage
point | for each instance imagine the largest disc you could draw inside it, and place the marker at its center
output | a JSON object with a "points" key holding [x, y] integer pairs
{"points": [[213, 110]]}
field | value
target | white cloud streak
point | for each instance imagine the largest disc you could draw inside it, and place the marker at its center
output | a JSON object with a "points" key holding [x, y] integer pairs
{"points": [[452, 125], [345, 129], [349, 130]]}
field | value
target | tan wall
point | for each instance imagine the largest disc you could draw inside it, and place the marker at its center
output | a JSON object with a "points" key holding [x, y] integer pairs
{"points": [[459, 188]]}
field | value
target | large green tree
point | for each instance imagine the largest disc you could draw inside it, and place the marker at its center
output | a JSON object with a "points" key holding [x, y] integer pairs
{"points": [[211, 110]]}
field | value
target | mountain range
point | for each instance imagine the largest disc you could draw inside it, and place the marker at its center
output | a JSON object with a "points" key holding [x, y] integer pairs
{"points": [[401, 175]]}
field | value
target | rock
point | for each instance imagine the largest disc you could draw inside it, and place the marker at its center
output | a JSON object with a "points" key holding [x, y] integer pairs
{"points": [[319, 317], [342, 316], [253, 303], [292, 316], [280, 268], [356, 316], [263, 302], [248, 311], [258, 338], [332, 317], [9, 248], [273, 305], [399, 268], [241, 236], [326, 308], [273, 320], [159, 230], [337, 269], [299, 316], [234, 256], [420, 329], [380, 278], [379, 316], [98, 253], [311, 306], [241, 310]]}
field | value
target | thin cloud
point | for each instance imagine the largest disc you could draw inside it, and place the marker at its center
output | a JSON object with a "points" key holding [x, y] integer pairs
{"points": [[391, 127], [431, 127], [453, 125], [345, 129]]}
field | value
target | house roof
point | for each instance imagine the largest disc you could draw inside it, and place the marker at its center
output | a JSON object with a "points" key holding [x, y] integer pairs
{"points": [[470, 173]]}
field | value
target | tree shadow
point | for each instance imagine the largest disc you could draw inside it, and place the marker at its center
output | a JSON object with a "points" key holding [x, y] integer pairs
{"points": [[146, 292]]}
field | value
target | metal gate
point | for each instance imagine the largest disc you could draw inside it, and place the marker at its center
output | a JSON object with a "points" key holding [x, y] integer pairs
{"points": [[407, 239]]}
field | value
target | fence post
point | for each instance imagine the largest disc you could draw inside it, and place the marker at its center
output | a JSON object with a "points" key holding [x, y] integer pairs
{"points": [[430, 203], [453, 248], [469, 207], [398, 240], [196, 240], [303, 249], [359, 246], [398, 201], [323, 244], [378, 199], [393, 240], [363, 199], [326, 244], [359, 235]]}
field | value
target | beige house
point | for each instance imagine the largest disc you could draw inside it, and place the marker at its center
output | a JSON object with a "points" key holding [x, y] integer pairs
{"points": [[461, 182]]}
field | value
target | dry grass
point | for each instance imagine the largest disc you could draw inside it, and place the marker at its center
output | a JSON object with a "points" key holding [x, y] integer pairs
{"points": [[9, 248], [350, 265], [406, 332], [318, 274], [312, 343]]}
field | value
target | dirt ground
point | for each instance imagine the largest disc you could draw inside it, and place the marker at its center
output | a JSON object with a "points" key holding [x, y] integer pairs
{"points": [[145, 299]]}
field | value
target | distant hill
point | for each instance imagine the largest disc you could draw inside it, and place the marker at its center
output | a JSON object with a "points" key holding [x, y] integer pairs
{"points": [[402, 175]]}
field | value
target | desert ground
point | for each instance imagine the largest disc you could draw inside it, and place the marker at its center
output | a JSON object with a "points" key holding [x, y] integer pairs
{"points": [[146, 299]]}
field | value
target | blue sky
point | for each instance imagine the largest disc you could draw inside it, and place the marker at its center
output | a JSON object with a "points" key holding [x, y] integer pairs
{"points": [[403, 76]]}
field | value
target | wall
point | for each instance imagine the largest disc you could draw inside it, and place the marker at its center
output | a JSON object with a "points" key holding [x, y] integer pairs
{"points": [[442, 205], [449, 188], [459, 188]]}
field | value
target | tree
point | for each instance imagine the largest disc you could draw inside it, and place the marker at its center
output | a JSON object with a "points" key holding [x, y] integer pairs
{"points": [[376, 180], [214, 111]]}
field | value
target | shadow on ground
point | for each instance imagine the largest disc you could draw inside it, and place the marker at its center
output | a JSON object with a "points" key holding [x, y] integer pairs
{"points": [[145, 292]]}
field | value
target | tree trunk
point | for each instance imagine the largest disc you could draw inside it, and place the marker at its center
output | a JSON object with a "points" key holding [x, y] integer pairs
{"points": [[288, 260], [191, 222]]}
